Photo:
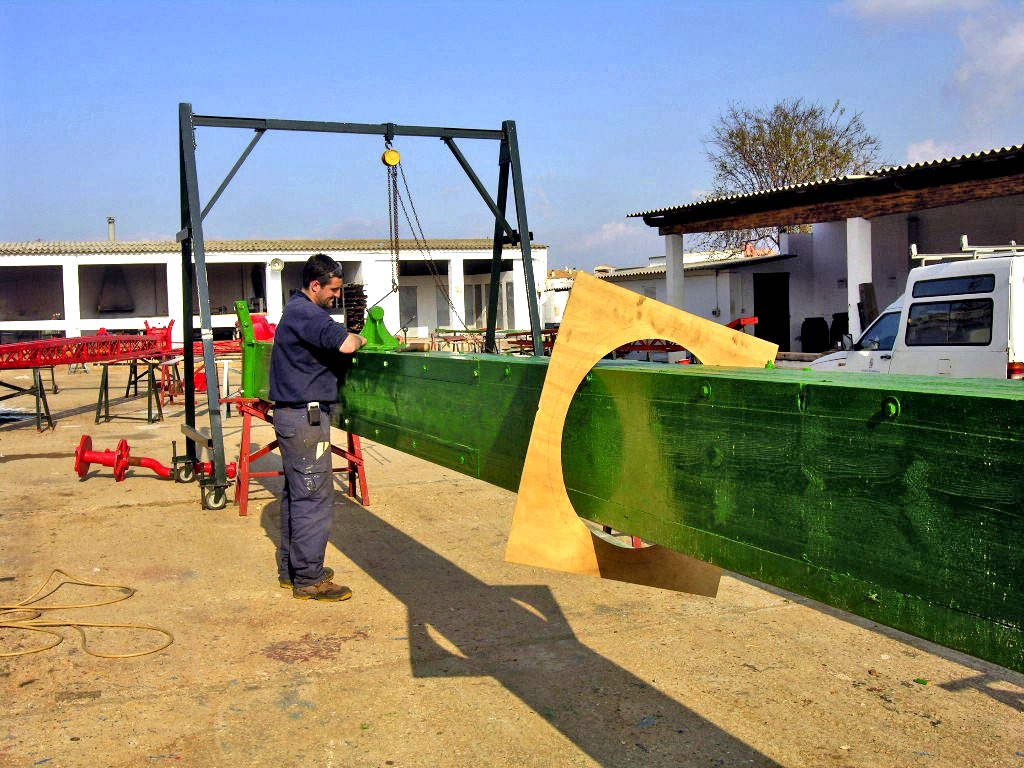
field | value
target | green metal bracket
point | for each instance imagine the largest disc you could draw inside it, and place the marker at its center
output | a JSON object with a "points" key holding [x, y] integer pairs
{"points": [[255, 356], [245, 321], [378, 339]]}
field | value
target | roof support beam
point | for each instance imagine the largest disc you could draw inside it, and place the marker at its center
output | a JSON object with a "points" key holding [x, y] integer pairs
{"points": [[862, 206]]}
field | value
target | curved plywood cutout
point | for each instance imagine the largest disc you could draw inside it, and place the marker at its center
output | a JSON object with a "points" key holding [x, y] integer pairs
{"points": [[546, 531]]}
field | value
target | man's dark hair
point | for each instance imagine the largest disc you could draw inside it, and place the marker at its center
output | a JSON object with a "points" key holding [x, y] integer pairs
{"points": [[320, 267]]}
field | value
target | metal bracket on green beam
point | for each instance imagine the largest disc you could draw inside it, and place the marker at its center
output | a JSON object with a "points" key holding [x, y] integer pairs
{"points": [[377, 337], [245, 321]]}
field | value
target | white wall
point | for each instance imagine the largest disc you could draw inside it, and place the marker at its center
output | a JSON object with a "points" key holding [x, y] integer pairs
{"points": [[68, 284]]}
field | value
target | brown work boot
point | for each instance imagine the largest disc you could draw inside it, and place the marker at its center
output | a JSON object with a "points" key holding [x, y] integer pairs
{"points": [[324, 590], [286, 583]]}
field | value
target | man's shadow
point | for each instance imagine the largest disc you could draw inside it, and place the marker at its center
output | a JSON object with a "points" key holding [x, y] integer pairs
{"points": [[519, 636]]}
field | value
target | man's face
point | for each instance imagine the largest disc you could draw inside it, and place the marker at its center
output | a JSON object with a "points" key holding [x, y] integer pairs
{"points": [[324, 293]]}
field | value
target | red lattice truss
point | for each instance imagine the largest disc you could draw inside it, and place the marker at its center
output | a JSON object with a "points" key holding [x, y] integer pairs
{"points": [[86, 349]]}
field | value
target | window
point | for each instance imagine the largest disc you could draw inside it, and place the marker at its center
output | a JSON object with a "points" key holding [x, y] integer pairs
{"points": [[480, 318], [444, 315], [965, 323], [949, 286], [476, 304], [881, 334], [510, 314], [407, 306]]}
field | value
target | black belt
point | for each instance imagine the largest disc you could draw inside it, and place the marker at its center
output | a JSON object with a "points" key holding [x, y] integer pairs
{"points": [[324, 404]]}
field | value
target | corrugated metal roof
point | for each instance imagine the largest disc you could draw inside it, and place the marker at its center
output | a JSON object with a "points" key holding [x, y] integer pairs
{"points": [[62, 247], [989, 154], [632, 272], [637, 273]]}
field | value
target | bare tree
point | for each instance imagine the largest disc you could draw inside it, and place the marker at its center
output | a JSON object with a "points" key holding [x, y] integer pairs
{"points": [[793, 142]]}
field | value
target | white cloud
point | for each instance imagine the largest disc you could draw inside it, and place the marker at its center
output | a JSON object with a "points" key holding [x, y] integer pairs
{"points": [[990, 76], [899, 9], [617, 233], [993, 51], [930, 149], [628, 243]]}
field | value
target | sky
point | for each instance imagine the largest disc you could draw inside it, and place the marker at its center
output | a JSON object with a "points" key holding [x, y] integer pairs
{"points": [[613, 102]]}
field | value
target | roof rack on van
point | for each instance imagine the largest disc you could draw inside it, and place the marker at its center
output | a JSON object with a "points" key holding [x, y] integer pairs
{"points": [[968, 251]]}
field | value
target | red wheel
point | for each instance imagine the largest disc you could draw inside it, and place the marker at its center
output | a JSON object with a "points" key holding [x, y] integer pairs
{"points": [[81, 463], [121, 456]]}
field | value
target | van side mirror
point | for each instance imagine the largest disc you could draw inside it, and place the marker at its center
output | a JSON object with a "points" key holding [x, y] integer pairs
{"points": [[847, 342]]}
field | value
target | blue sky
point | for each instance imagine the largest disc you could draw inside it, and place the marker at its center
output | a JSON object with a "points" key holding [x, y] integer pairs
{"points": [[612, 103]]}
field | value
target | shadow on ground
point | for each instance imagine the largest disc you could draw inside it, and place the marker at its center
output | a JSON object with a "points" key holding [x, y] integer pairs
{"points": [[519, 636]]}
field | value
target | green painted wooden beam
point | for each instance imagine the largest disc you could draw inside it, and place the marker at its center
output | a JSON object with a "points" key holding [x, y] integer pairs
{"points": [[900, 499]]}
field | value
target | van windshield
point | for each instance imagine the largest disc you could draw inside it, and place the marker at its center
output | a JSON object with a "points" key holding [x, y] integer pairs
{"points": [[881, 334]]}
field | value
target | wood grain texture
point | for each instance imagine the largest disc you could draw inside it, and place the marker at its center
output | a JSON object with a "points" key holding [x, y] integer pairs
{"points": [[546, 531]]}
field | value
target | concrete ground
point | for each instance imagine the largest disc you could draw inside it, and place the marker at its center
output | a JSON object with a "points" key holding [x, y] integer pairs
{"points": [[446, 656]]}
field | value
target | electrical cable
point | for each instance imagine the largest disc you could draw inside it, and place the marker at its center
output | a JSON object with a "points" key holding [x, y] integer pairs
{"points": [[33, 621]]}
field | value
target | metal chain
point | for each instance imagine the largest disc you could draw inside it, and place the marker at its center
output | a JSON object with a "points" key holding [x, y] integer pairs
{"points": [[421, 243], [393, 222], [393, 243]]}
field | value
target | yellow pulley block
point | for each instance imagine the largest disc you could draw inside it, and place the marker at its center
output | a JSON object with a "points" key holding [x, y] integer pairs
{"points": [[390, 157]]}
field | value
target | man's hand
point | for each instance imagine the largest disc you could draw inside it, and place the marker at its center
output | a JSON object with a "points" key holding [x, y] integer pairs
{"points": [[352, 343]]}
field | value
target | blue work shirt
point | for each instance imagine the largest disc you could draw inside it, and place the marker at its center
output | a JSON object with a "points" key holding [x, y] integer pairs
{"points": [[306, 354]]}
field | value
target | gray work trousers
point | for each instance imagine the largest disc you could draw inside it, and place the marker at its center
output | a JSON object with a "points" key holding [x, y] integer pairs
{"points": [[308, 498]]}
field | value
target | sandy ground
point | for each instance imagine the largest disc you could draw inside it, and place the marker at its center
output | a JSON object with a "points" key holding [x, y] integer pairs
{"points": [[446, 656]]}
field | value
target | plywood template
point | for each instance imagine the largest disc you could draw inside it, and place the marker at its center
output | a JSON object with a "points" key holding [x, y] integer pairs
{"points": [[546, 531]]}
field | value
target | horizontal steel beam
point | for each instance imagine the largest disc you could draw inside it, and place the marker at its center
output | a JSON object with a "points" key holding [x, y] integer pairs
{"points": [[369, 129]]}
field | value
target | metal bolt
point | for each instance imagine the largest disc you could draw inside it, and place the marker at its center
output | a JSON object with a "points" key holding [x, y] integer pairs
{"points": [[705, 391], [891, 407]]}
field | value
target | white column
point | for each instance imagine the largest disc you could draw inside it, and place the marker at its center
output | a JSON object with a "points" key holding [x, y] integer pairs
{"points": [[72, 305], [858, 267], [457, 289], [275, 294], [521, 306], [174, 299], [674, 270]]}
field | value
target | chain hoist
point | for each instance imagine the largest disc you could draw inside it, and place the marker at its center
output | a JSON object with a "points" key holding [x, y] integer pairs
{"points": [[391, 158], [392, 162]]}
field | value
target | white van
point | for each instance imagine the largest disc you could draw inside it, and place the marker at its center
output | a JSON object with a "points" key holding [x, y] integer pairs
{"points": [[961, 319]]}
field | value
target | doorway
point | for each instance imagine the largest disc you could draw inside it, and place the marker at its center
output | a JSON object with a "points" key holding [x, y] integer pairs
{"points": [[771, 305]]}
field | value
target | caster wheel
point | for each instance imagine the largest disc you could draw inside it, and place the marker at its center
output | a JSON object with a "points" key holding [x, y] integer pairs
{"points": [[184, 473], [215, 498]]}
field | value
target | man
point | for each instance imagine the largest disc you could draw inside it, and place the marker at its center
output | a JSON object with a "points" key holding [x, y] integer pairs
{"points": [[308, 348]]}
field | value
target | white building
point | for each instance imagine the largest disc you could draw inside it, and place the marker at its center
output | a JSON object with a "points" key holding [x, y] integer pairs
{"points": [[859, 245], [76, 288]]}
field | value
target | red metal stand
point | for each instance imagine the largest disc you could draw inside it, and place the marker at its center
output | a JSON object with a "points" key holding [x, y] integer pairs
{"points": [[251, 408]]}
